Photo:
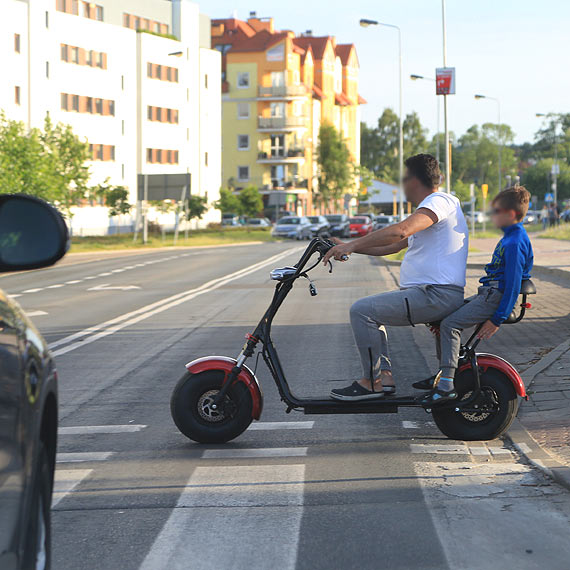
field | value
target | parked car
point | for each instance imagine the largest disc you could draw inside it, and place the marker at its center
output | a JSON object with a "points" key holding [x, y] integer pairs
{"points": [[360, 226], [320, 226], [32, 235], [230, 220], [340, 226], [565, 215], [382, 221], [532, 217], [480, 217], [294, 227], [258, 223]]}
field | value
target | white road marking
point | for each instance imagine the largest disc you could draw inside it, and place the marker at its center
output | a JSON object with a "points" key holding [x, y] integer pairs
{"points": [[443, 449], [110, 327], [65, 481], [104, 274], [33, 290], [15, 295], [73, 282], [254, 452], [35, 313], [56, 286], [82, 456], [90, 277], [478, 450], [260, 426], [406, 424], [80, 430], [109, 287], [262, 505]]}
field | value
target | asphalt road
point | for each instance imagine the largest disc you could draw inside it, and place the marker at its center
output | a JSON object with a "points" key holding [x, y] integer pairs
{"points": [[294, 491]]}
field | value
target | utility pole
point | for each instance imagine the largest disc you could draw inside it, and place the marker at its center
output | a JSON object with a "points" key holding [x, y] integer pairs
{"points": [[445, 125]]}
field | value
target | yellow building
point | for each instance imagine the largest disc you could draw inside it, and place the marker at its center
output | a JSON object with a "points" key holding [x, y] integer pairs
{"points": [[277, 91]]}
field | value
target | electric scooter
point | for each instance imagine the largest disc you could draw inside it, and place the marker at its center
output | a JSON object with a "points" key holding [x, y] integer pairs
{"points": [[218, 397]]}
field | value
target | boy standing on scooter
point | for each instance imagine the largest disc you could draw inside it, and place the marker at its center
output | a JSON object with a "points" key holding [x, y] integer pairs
{"points": [[500, 287]]}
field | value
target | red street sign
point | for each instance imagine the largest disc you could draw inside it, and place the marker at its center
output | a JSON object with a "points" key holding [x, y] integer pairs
{"points": [[445, 81]]}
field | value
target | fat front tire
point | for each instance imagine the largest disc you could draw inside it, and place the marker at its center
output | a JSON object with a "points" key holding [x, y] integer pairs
{"points": [[37, 552], [190, 406], [465, 426]]}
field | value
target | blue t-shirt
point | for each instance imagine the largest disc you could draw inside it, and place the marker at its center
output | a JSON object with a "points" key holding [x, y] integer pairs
{"points": [[510, 265]]}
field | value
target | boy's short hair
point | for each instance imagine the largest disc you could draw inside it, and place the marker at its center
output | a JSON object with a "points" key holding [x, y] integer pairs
{"points": [[514, 198], [425, 168]]}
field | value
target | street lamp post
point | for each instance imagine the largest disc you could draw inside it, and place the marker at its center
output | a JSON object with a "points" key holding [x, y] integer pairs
{"points": [[445, 125], [365, 23], [415, 77], [499, 131], [555, 164]]}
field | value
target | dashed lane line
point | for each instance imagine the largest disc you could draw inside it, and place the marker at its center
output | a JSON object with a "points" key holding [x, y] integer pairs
{"points": [[254, 452], [35, 313], [262, 426], [81, 430], [96, 332], [65, 481], [83, 456]]}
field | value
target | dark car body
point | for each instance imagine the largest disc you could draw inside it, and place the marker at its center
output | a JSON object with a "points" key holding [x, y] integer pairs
{"points": [[360, 226], [340, 226], [32, 235], [320, 226], [28, 428], [383, 221]]}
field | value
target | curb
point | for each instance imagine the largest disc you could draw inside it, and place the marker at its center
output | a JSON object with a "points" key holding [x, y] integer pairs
{"points": [[525, 444]]}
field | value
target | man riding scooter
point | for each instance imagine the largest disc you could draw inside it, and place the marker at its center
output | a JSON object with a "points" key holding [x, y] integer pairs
{"points": [[432, 275]]}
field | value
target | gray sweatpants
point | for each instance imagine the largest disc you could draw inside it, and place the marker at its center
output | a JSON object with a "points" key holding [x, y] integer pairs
{"points": [[479, 308], [412, 305]]}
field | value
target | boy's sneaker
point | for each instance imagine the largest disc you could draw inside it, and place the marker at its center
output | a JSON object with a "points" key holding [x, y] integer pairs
{"points": [[426, 384]]}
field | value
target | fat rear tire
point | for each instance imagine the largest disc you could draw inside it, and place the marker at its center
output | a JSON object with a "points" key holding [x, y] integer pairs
{"points": [[37, 550], [185, 405], [476, 427]]}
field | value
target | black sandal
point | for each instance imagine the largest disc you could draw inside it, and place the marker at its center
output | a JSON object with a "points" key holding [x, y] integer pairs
{"points": [[389, 390], [355, 393], [426, 384]]}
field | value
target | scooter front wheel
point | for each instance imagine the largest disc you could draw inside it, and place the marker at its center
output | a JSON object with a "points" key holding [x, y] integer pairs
{"points": [[498, 405], [192, 412]]}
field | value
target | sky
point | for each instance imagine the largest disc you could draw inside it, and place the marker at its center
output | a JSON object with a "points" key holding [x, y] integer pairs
{"points": [[514, 50]]}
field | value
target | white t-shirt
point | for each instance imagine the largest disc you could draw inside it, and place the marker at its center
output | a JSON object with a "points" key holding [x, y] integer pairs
{"points": [[438, 254]]}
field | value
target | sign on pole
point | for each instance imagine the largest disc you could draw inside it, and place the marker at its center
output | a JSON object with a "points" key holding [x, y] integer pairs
{"points": [[445, 81], [549, 197], [484, 190]]}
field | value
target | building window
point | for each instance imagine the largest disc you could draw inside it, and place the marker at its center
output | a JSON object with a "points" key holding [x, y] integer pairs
{"points": [[47, 69], [206, 81], [17, 43], [64, 52], [99, 14], [105, 152], [243, 110], [162, 72], [80, 56], [243, 80], [84, 104], [161, 156], [137, 23], [243, 142], [243, 173], [75, 103], [75, 55], [17, 94], [64, 102], [205, 159], [162, 115], [47, 19]]}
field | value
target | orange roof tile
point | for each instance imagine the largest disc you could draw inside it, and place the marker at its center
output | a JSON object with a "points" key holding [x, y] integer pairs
{"points": [[317, 91], [319, 44], [343, 51], [341, 99], [362, 100], [259, 42]]}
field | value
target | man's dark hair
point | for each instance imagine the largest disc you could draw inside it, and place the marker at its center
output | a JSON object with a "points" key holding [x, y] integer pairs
{"points": [[514, 198], [425, 168]]}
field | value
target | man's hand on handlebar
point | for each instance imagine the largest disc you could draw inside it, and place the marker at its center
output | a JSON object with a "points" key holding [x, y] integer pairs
{"points": [[340, 251]]}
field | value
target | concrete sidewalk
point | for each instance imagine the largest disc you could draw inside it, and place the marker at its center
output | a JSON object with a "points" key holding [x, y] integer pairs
{"points": [[552, 254]]}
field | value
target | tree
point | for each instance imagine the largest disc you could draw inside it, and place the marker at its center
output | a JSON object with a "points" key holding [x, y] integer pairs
{"points": [[475, 156], [380, 145], [49, 164], [250, 201], [196, 207], [116, 198], [228, 202], [335, 175], [538, 179]]}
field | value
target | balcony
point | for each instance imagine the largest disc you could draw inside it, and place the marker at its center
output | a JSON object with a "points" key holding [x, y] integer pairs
{"points": [[281, 156], [274, 124], [288, 184], [282, 91]]}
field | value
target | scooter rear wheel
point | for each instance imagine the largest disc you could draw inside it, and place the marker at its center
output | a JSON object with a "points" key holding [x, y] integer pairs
{"points": [[498, 390], [191, 409]]}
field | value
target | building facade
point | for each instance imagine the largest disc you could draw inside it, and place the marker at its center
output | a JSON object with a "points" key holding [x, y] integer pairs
{"points": [[137, 79], [277, 91]]}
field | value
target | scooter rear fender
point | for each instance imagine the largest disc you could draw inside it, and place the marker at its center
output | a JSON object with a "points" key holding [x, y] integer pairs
{"points": [[226, 364], [486, 361]]}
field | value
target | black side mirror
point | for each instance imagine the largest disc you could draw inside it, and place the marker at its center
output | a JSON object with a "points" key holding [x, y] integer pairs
{"points": [[33, 233]]}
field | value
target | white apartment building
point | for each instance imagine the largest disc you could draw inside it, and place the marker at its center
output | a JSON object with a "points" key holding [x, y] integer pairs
{"points": [[135, 78]]}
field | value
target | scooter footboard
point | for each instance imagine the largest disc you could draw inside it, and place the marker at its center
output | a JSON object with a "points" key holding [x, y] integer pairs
{"points": [[486, 361], [226, 364]]}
